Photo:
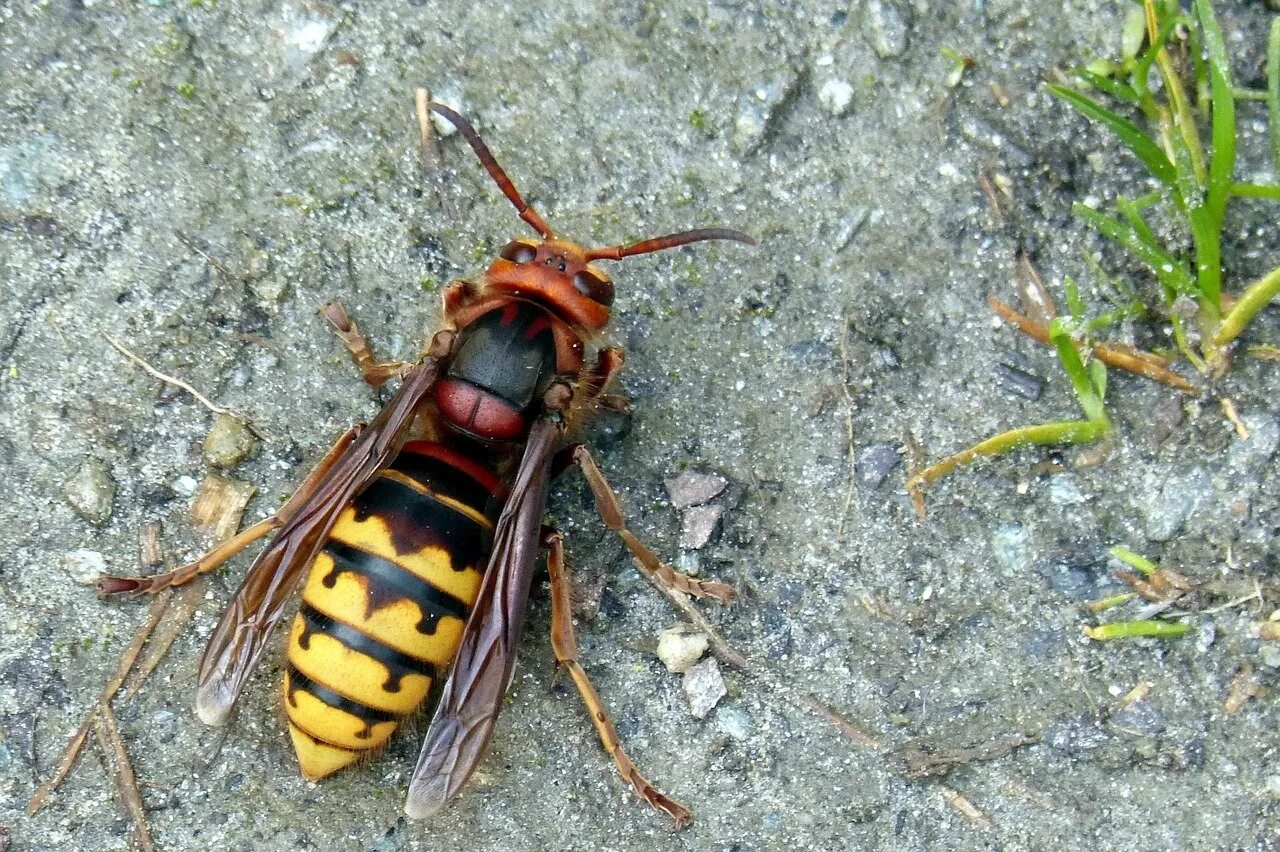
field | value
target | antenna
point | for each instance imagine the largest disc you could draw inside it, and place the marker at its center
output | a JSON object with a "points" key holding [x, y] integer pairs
{"points": [[669, 241], [495, 171]]}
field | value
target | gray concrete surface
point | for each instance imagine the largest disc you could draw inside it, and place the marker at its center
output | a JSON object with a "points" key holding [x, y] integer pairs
{"points": [[279, 138]]}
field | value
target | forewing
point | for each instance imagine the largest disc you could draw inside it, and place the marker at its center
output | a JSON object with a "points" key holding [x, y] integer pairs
{"points": [[482, 670], [260, 602]]}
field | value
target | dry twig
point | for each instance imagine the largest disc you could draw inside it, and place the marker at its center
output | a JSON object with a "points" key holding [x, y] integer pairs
{"points": [[429, 151], [108, 732], [72, 754], [179, 383], [189, 597], [1144, 364], [209, 259], [1229, 411], [967, 809]]}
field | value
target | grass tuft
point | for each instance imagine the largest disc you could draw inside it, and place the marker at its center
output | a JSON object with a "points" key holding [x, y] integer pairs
{"points": [[1189, 150]]}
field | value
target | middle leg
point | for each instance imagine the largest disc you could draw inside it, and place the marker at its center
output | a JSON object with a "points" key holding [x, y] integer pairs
{"points": [[658, 571]]}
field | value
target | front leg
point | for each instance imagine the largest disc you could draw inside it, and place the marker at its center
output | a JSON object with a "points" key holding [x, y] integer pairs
{"points": [[373, 372]]}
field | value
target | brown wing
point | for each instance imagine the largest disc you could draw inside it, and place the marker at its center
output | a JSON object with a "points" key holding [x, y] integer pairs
{"points": [[261, 600], [482, 670]]}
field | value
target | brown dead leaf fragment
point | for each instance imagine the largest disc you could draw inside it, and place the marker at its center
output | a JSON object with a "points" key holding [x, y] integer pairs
{"points": [[1138, 693], [150, 551], [220, 506], [1036, 299], [1164, 585]]}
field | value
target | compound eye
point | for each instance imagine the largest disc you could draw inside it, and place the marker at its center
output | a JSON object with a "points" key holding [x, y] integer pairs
{"points": [[518, 252], [596, 289]]}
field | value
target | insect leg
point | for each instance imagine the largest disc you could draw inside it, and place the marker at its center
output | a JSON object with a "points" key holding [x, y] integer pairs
{"points": [[134, 586], [565, 647], [457, 295], [608, 365], [373, 372], [660, 572]]}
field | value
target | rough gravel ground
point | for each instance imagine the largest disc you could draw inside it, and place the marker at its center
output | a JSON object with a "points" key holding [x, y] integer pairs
{"points": [[280, 140]]}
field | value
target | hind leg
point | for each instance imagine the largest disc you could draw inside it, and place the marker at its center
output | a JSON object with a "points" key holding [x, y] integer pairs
{"points": [[565, 646]]}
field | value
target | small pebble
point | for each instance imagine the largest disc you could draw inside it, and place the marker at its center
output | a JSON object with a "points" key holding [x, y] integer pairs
{"points": [[165, 724], [1140, 719], [698, 525], [876, 462], [229, 442], [450, 94], [679, 648], [885, 26], [1205, 636], [704, 687], [756, 110], [1018, 381], [90, 491], [1166, 416], [1012, 548], [693, 488], [1250, 455], [1063, 491], [836, 96], [257, 264], [305, 31], [83, 566], [270, 289], [185, 486], [1167, 507]]}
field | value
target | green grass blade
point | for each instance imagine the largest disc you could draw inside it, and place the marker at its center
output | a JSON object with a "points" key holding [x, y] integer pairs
{"points": [[1134, 560], [1150, 628], [1142, 68], [1102, 322], [1042, 434], [1169, 271], [1133, 213], [1257, 190], [1223, 159], [1273, 93], [1098, 376], [1074, 367], [1075, 304], [1142, 146], [1117, 90], [1258, 295]]}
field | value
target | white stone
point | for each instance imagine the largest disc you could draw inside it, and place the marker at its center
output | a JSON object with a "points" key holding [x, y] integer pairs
{"points": [[679, 648], [84, 566], [836, 95]]}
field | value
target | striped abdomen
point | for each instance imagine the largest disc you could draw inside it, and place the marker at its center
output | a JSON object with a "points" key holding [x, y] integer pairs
{"points": [[384, 605]]}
